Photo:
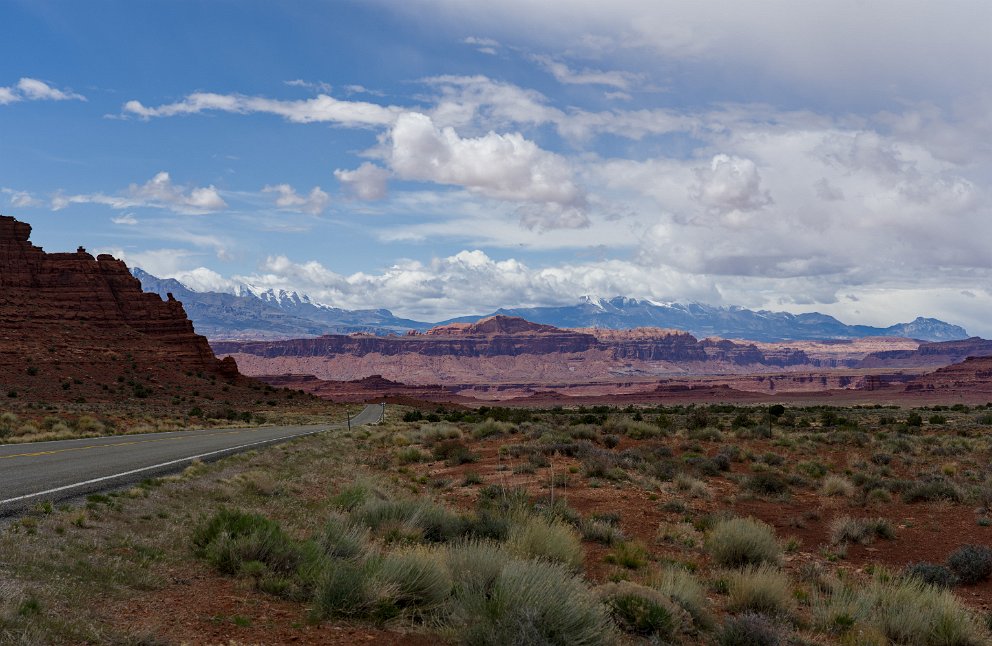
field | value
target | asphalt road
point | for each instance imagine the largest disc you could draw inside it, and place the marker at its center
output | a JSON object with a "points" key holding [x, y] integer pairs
{"points": [[37, 471]]}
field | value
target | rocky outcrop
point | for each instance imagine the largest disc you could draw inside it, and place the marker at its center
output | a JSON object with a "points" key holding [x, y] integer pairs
{"points": [[75, 318], [500, 349], [930, 355], [973, 376]]}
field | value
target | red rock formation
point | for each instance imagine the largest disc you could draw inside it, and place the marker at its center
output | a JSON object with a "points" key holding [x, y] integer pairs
{"points": [[70, 317], [972, 376], [503, 349]]}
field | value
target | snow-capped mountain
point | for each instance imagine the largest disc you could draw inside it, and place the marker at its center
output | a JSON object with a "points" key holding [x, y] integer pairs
{"points": [[726, 322], [255, 313], [267, 314]]}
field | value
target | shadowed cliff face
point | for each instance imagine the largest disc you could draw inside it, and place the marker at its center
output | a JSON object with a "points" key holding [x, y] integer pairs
{"points": [[70, 317]]}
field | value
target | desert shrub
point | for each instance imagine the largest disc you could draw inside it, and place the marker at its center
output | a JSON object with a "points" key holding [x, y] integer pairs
{"points": [[881, 459], [812, 469], [767, 483], [353, 495], [694, 488], [860, 530], [913, 613], [839, 608], [971, 563], [642, 610], [436, 523], [488, 523], [453, 452], [631, 555], [937, 419], [8, 423], [230, 538], [742, 541], [89, 424], [985, 419], [708, 434], [416, 577], [537, 537], [260, 483], [930, 490], [635, 430], [834, 485], [491, 428], [476, 564], [341, 539], [342, 588], [681, 534], [528, 602], [411, 455], [931, 574], [762, 588], [684, 589], [601, 531], [611, 441], [749, 629]]}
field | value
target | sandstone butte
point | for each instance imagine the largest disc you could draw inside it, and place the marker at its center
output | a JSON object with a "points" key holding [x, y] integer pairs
{"points": [[75, 327]]}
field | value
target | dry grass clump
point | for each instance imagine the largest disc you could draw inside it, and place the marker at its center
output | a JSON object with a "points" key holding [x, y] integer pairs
{"points": [[686, 590], [763, 588], [900, 611], [740, 542], [837, 486], [860, 530], [538, 537]]}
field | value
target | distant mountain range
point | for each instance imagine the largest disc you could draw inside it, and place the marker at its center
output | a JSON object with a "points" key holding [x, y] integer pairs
{"points": [[258, 314]]}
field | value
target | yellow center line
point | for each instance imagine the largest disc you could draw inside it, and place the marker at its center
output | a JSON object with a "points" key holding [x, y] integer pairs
{"points": [[100, 446]]}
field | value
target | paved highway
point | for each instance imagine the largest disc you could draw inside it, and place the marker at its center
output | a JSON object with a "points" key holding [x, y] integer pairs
{"points": [[32, 472]]}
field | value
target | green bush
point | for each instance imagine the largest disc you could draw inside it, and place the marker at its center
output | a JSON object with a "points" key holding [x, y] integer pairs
{"points": [[930, 574], [341, 590], [767, 483], [341, 539], [971, 563], [930, 490], [631, 555], [529, 602], [230, 539], [415, 578], [434, 522], [537, 537], [764, 589], [743, 541], [643, 611]]}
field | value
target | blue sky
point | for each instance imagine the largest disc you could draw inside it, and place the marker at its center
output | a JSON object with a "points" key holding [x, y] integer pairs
{"points": [[443, 157]]}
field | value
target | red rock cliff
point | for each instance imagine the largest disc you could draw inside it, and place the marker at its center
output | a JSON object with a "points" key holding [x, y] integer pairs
{"points": [[64, 314]]}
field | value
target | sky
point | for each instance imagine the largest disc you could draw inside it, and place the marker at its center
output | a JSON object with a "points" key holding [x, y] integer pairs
{"points": [[446, 157]]}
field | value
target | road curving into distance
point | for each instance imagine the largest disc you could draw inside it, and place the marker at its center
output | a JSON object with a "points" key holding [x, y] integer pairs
{"points": [[37, 471]]}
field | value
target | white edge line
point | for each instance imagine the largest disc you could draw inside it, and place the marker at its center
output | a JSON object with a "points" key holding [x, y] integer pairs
{"points": [[154, 466]]}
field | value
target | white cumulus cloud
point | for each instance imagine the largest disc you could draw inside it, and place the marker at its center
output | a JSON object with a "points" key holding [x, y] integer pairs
{"points": [[158, 192], [29, 89], [501, 166], [287, 198], [367, 182]]}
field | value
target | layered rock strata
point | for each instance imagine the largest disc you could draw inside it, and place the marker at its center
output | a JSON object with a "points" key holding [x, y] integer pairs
{"points": [[73, 325]]}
